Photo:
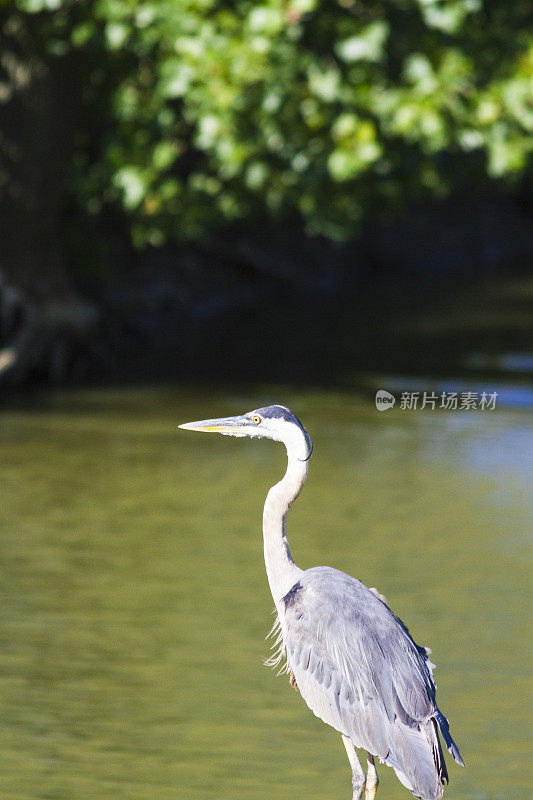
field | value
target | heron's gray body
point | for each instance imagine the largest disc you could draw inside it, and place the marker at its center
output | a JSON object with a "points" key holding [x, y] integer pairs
{"points": [[354, 662], [359, 670]]}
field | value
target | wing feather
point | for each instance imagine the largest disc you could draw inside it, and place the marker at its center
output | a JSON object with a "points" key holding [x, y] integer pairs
{"points": [[359, 670]]}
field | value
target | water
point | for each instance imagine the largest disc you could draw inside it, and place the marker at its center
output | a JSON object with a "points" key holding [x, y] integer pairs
{"points": [[135, 605]]}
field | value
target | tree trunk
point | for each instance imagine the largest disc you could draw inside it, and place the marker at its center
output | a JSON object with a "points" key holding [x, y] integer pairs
{"points": [[40, 312]]}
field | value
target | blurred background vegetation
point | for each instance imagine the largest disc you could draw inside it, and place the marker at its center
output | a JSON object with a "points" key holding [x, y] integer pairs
{"points": [[182, 180]]}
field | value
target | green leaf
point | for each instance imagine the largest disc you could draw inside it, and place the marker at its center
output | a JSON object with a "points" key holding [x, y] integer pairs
{"points": [[133, 185]]}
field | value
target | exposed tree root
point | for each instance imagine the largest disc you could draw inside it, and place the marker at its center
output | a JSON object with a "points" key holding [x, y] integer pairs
{"points": [[43, 339]]}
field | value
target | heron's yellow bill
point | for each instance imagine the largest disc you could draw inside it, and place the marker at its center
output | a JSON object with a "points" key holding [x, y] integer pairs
{"points": [[228, 426]]}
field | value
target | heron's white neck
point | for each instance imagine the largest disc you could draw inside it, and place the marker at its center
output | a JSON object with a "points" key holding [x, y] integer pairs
{"points": [[281, 570]]}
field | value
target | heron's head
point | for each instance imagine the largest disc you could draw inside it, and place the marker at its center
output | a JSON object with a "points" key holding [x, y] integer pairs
{"points": [[272, 422]]}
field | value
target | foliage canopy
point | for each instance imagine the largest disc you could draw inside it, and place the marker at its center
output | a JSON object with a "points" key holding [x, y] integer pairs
{"points": [[205, 111]]}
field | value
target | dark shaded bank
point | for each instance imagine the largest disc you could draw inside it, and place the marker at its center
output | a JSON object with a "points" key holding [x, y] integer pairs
{"points": [[447, 290]]}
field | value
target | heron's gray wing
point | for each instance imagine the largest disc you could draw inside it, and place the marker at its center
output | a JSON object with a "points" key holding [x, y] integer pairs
{"points": [[359, 670]]}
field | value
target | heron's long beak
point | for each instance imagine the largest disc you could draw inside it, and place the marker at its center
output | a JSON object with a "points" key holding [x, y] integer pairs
{"points": [[229, 426]]}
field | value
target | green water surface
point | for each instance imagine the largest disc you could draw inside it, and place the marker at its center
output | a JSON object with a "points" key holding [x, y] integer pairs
{"points": [[135, 604]]}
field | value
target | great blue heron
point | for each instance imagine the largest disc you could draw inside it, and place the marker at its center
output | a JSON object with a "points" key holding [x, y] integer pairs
{"points": [[352, 659]]}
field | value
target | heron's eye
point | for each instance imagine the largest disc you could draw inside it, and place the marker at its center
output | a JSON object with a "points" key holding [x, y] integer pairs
{"points": [[256, 419]]}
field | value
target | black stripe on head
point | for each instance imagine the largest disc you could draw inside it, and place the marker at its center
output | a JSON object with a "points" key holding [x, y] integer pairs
{"points": [[279, 412]]}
